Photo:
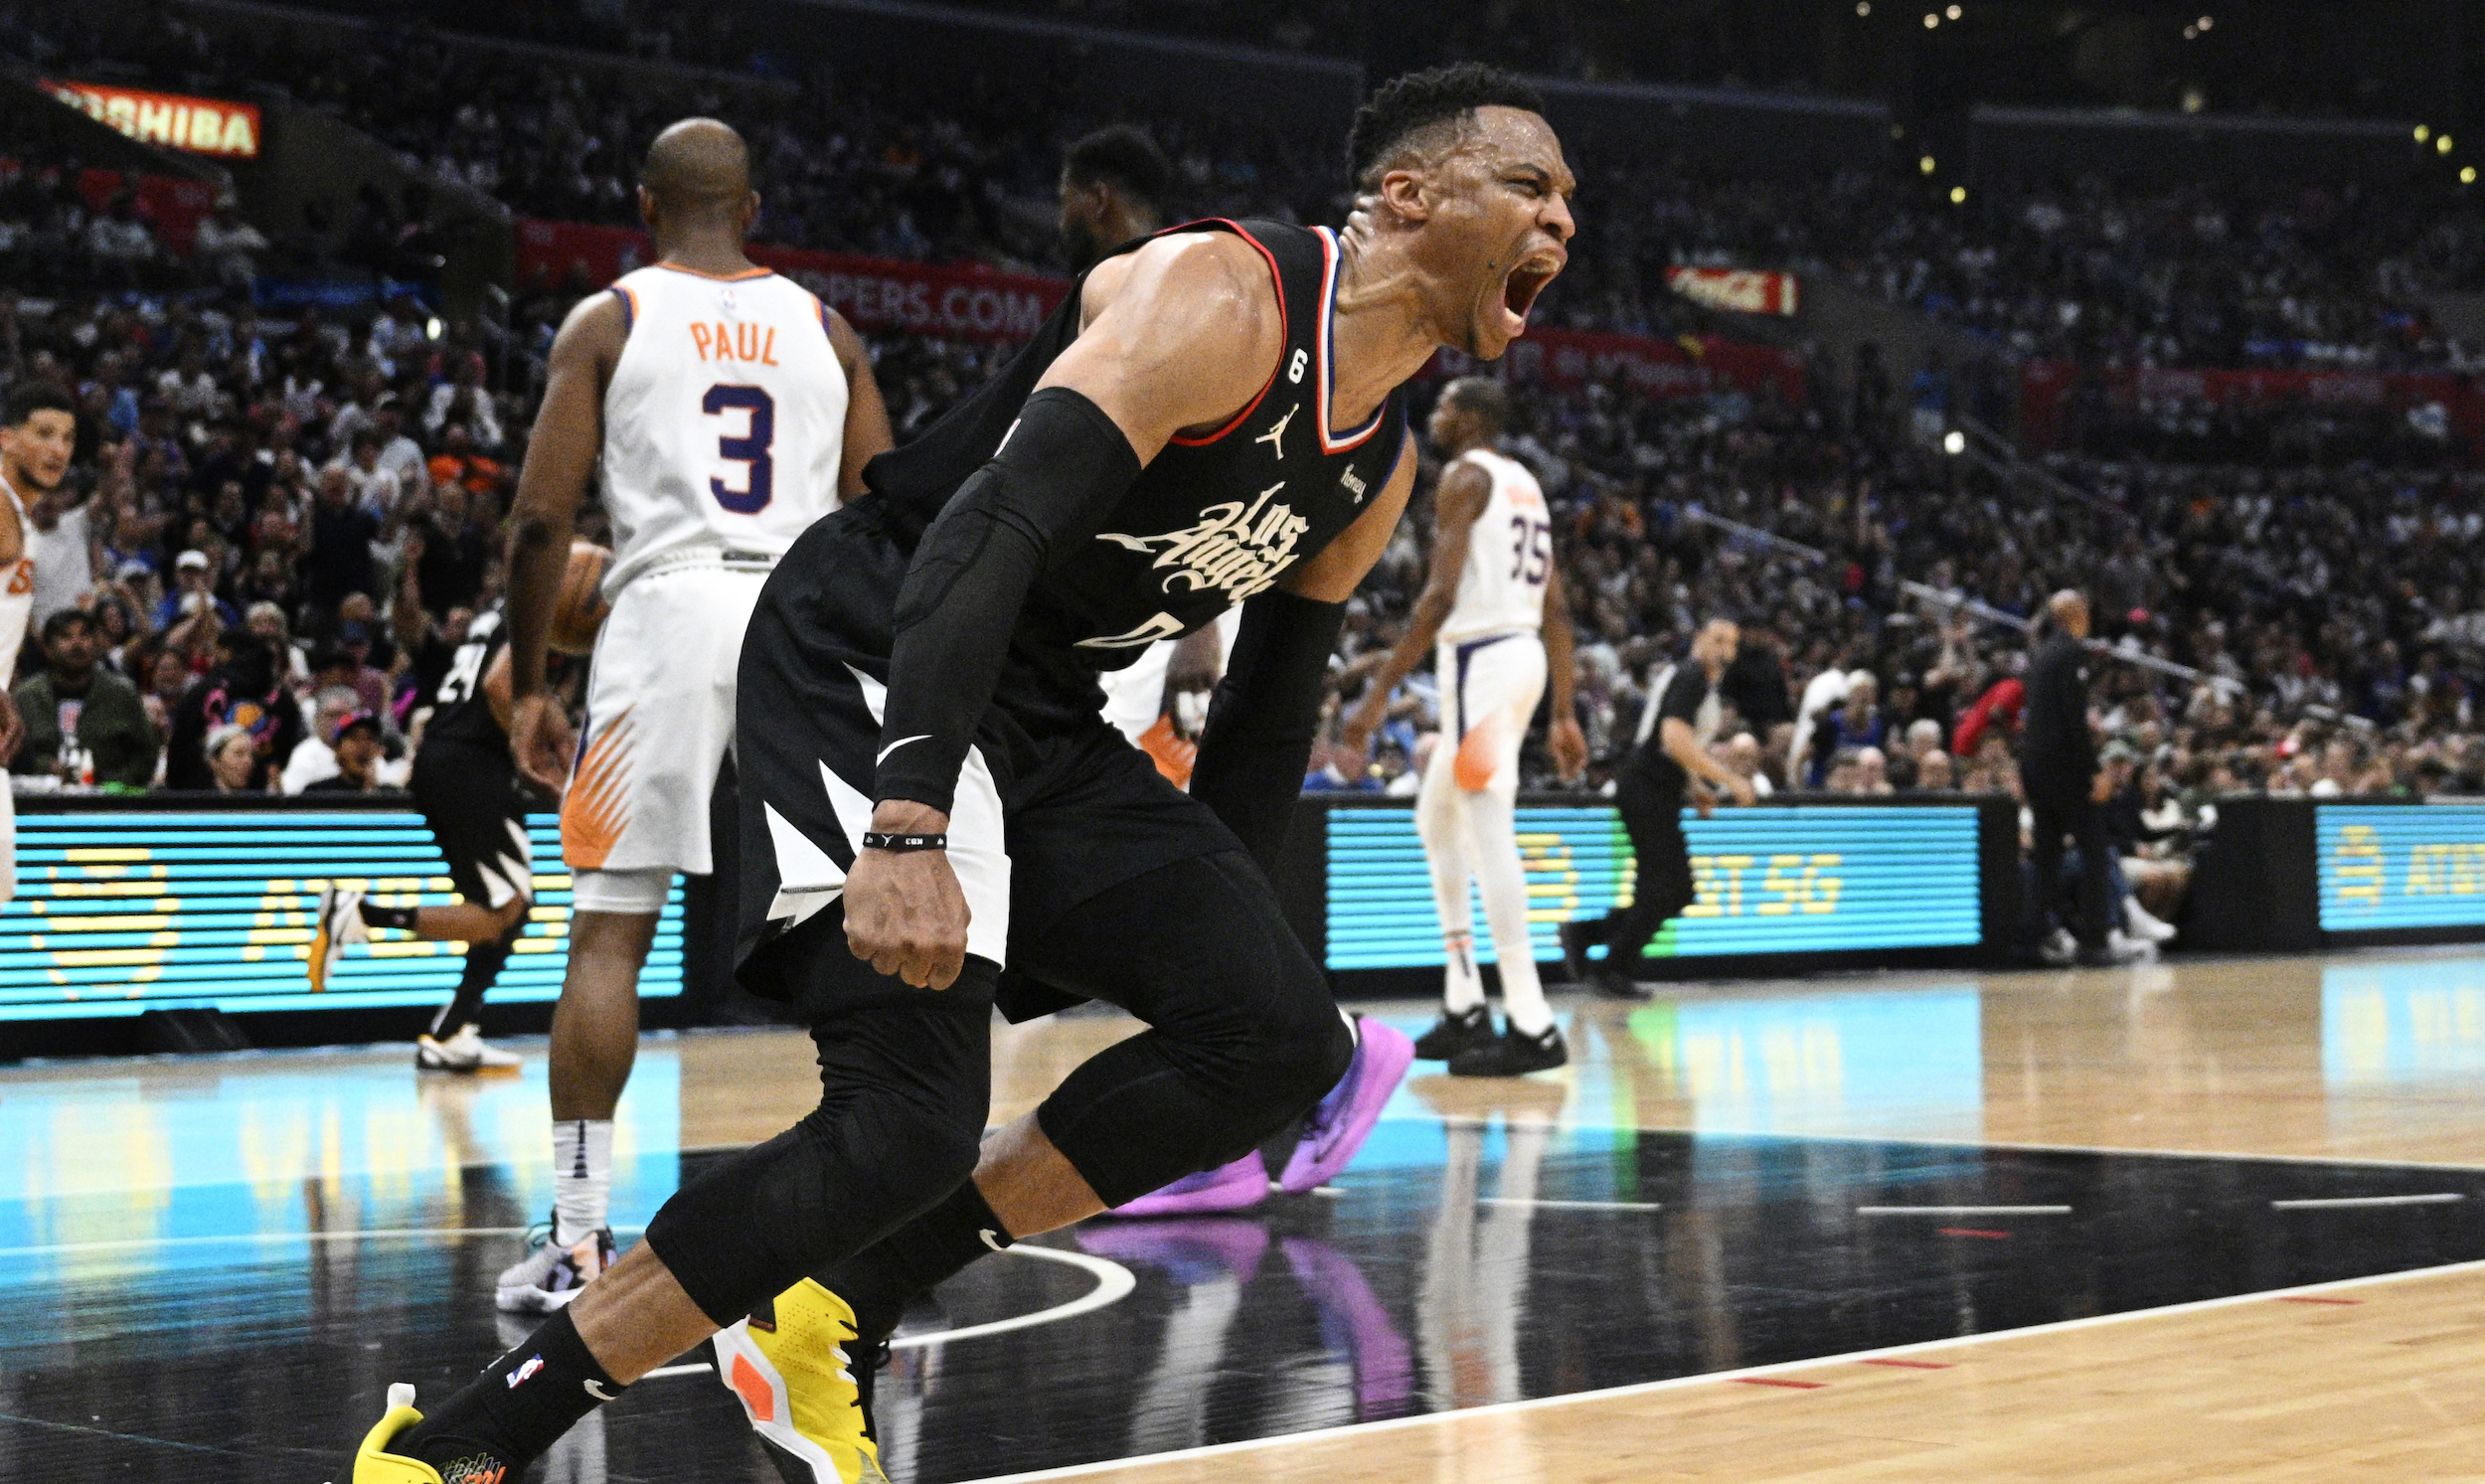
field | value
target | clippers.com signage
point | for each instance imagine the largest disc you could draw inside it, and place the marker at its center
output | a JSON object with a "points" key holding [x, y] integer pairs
{"points": [[877, 294], [201, 126]]}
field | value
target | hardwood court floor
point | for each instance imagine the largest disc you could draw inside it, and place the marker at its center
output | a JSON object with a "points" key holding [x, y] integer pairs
{"points": [[1706, 1250]]}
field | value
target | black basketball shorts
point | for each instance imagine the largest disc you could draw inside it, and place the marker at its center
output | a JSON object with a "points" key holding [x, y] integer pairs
{"points": [[1053, 806], [476, 807]]}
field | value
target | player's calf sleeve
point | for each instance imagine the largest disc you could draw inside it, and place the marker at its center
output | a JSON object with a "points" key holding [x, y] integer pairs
{"points": [[518, 1407], [754, 1224], [882, 1280], [900, 1124]]}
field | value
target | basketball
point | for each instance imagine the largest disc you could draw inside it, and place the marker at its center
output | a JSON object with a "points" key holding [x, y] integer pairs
{"points": [[581, 607]]}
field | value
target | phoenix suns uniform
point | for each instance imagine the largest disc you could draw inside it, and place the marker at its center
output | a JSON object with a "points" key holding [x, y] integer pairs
{"points": [[724, 429], [1490, 666]]}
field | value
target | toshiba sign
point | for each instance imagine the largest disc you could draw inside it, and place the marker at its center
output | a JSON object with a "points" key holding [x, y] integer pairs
{"points": [[201, 126]]}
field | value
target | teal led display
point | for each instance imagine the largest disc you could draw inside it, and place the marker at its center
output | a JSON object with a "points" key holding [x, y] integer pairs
{"points": [[2386, 866], [117, 913], [1785, 880]]}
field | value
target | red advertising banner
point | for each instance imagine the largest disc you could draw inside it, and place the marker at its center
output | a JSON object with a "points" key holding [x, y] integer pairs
{"points": [[979, 304], [1741, 290], [952, 302], [2044, 385], [201, 126]]}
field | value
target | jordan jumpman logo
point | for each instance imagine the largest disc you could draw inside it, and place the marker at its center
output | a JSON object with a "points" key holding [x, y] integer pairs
{"points": [[1274, 437]]}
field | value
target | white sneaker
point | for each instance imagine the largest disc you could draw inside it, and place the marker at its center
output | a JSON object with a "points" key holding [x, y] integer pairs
{"points": [[549, 1275], [2121, 947], [2145, 926], [2058, 947], [466, 1051], [340, 922]]}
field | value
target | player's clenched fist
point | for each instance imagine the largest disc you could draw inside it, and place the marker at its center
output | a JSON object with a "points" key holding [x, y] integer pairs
{"points": [[904, 913]]}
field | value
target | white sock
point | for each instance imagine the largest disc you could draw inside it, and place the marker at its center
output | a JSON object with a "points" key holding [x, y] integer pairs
{"points": [[1462, 988], [1501, 880], [581, 1178]]}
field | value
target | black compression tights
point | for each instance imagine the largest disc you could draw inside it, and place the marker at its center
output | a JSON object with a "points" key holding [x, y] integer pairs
{"points": [[905, 1086], [1242, 1034], [1244, 1038]]}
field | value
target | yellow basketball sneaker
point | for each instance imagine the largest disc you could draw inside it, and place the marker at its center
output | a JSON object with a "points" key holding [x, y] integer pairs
{"points": [[789, 1364], [374, 1464]]}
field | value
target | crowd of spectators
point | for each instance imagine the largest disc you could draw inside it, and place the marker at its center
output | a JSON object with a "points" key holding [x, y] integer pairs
{"points": [[2236, 274], [852, 159], [2233, 274], [282, 519], [273, 521], [2286, 630]]}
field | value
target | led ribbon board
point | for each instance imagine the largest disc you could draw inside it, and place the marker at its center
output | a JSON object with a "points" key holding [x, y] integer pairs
{"points": [[117, 913], [2385, 865], [1792, 880]]}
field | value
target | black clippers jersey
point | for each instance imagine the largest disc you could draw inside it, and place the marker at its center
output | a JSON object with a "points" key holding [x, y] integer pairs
{"points": [[1211, 521], [458, 710]]}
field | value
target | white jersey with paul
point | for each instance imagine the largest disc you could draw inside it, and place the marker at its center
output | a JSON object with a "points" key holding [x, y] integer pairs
{"points": [[725, 420], [723, 433]]}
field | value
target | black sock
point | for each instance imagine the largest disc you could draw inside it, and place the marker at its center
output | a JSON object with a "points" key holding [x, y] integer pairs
{"points": [[375, 915], [518, 1407], [483, 965], [882, 1280]]}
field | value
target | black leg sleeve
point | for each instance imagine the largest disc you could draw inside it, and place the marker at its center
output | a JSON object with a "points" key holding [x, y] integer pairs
{"points": [[1244, 1036], [484, 962], [904, 1088]]}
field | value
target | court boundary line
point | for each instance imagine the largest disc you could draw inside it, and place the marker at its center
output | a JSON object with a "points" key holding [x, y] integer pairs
{"points": [[1680, 1383], [2477, 1166], [1113, 1283]]}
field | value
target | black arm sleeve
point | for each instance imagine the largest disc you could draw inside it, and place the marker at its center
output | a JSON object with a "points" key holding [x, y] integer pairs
{"points": [[1262, 724], [1061, 468]]}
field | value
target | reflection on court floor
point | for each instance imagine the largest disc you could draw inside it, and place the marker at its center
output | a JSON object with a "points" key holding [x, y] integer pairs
{"points": [[211, 1269]]}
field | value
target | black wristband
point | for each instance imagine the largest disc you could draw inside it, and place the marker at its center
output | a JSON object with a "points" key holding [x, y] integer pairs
{"points": [[874, 839]]}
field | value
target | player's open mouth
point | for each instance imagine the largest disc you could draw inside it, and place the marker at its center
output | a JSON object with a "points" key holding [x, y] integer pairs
{"points": [[1524, 283]]}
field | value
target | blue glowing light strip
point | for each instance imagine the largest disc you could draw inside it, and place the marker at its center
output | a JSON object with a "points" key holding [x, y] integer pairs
{"points": [[117, 913], [2387, 866], [1771, 880]]}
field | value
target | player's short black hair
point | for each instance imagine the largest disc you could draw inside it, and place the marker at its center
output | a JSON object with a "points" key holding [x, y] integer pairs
{"points": [[1483, 395], [1415, 102], [1122, 156], [26, 399]]}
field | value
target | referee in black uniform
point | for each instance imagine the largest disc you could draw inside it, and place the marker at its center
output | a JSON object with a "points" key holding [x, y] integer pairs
{"points": [[1669, 765]]}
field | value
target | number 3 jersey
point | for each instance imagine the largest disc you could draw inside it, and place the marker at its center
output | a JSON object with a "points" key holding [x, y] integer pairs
{"points": [[1509, 554], [725, 420]]}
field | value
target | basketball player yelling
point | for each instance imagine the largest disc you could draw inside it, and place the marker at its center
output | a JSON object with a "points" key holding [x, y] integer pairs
{"points": [[37, 434], [1495, 607], [930, 796], [723, 409]]}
